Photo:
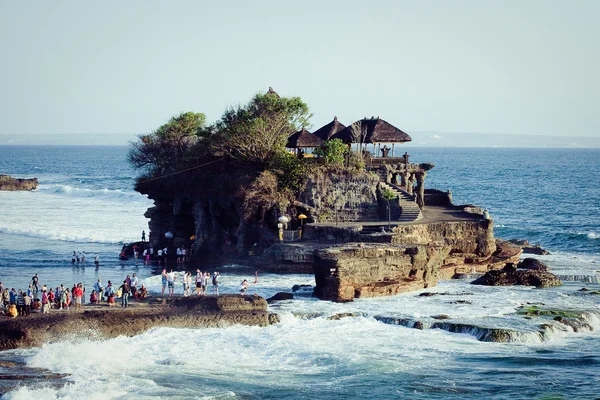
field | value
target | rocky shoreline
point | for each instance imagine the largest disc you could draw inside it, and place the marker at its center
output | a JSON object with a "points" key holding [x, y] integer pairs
{"points": [[9, 183], [104, 322]]}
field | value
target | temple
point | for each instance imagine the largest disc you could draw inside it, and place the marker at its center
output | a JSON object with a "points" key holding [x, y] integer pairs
{"points": [[377, 142]]}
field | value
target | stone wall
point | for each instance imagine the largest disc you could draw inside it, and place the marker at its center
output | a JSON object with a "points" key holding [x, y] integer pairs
{"points": [[358, 270]]}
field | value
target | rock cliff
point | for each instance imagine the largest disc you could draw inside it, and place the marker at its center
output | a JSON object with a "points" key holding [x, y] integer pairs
{"points": [[357, 270], [12, 184]]}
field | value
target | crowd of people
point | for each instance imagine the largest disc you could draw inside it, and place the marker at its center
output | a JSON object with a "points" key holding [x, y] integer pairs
{"points": [[200, 281], [41, 298]]}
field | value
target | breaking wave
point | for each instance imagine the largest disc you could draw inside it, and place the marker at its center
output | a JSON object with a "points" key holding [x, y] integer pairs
{"points": [[101, 194]]}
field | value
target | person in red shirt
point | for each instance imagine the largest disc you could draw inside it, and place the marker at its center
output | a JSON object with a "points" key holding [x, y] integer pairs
{"points": [[77, 295]]}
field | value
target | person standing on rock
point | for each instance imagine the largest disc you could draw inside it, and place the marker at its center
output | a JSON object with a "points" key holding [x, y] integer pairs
{"points": [[171, 282], [110, 294], [198, 282], [125, 294], [45, 302], [163, 277], [215, 282], [26, 305], [143, 236], [99, 289], [159, 256]]}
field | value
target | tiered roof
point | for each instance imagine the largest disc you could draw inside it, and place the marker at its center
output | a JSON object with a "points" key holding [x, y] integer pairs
{"points": [[374, 130]]}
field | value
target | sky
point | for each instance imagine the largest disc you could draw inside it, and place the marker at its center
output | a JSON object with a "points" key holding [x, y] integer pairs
{"points": [[469, 66]]}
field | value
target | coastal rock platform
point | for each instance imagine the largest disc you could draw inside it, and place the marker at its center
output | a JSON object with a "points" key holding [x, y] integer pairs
{"points": [[104, 322], [12, 184]]}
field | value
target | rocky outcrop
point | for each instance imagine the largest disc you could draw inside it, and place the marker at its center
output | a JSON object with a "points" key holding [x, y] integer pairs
{"points": [[511, 276], [356, 270], [13, 184], [184, 312], [280, 296], [533, 264], [529, 248]]}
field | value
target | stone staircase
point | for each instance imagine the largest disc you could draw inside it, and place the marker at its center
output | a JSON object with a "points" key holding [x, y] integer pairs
{"points": [[410, 209]]}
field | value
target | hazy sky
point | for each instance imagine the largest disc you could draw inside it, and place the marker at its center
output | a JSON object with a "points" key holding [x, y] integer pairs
{"points": [[519, 67]]}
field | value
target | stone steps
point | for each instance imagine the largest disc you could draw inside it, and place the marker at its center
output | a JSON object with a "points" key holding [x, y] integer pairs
{"points": [[410, 210]]}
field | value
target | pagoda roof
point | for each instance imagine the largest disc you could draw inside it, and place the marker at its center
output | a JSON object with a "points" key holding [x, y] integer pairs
{"points": [[303, 138], [328, 131], [373, 130]]}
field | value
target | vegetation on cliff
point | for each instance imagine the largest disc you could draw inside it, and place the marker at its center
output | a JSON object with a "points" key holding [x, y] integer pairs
{"points": [[234, 173]]}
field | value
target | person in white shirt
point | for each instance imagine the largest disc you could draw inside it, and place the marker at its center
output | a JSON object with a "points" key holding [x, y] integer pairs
{"points": [[171, 282], [159, 256]]}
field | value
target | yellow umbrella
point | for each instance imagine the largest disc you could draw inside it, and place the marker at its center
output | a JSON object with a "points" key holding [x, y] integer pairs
{"points": [[302, 217]]}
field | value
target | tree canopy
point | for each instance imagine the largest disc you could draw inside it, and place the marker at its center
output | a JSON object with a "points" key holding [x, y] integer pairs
{"points": [[171, 146], [258, 131]]}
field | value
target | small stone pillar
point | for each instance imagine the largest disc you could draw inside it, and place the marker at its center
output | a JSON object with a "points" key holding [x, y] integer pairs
{"points": [[421, 188]]}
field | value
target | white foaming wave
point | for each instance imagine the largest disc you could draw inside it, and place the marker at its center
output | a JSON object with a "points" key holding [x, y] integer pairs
{"points": [[593, 235], [105, 193], [218, 360], [72, 219]]}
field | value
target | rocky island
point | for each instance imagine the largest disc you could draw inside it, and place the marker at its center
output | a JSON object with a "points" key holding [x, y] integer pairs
{"points": [[9, 183], [258, 188]]}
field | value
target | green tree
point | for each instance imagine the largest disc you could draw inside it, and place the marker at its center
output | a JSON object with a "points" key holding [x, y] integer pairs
{"points": [[332, 152], [258, 131], [171, 146], [388, 195]]}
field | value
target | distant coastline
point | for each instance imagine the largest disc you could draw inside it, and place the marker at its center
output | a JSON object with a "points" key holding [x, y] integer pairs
{"points": [[426, 139]]}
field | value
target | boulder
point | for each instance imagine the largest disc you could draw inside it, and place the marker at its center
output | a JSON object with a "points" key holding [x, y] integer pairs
{"points": [[296, 288], [280, 296], [532, 264], [510, 276]]}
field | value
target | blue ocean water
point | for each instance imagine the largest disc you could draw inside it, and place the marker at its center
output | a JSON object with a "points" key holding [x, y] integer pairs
{"points": [[85, 202]]}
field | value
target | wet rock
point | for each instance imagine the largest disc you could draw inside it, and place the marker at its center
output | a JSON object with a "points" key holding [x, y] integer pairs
{"points": [[460, 302], [337, 317], [296, 288], [13, 184], [532, 264], [505, 249], [510, 276], [280, 296], [441, 316], [584, 290], [529, 248], [274, 319], [185, 312]]}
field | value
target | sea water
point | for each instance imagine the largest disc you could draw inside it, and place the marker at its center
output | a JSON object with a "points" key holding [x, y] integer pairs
{"points": [[85, 202]]}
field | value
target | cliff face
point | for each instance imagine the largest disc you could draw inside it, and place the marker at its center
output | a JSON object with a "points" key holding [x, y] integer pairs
{"points": [[358, 270], [464, 237], [342, 196], [12, 184]]}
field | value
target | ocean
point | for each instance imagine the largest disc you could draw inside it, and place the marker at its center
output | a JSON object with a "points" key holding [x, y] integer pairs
{"points": [[85, 202]]}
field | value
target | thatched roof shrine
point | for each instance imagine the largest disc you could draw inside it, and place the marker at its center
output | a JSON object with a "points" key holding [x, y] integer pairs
{"points": [[374, 130], [303, 138], [328, 131]]}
